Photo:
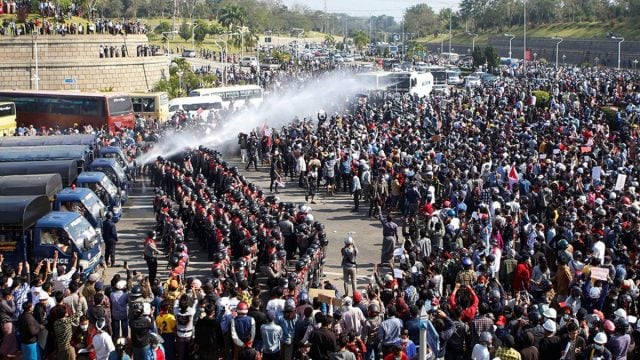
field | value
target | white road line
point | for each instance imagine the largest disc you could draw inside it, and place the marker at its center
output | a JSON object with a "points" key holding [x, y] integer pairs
{"points": [[141, 196], [139, 207], [138, 219]]}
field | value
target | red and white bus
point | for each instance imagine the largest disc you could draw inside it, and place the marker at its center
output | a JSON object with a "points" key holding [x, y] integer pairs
{"points": [[65, 109]]}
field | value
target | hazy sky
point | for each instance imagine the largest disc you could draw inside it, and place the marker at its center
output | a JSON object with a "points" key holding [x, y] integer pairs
{"points": [[367, 8]]}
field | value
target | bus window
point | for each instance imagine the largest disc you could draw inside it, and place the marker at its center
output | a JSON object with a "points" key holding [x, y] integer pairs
{"points": [[119, 105]]}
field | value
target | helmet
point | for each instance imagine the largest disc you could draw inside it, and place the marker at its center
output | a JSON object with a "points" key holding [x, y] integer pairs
{"points": [[374, 308], [451, 213], [300, 265], [308, 219], [534, 317], [180, 247], [137, 308], [303, 297], [562, 244], [348, 241], [151, 234], [466, 262], [600, 338], [622, 324], [242, 308], [136, 291]]}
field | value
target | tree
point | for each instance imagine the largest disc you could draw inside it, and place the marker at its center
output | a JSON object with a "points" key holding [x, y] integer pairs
{"points": [[162, 27], [185, 31], [360, 39], [478, 57], [420, 19], [491, 57], [232, 15], [329, 40]]}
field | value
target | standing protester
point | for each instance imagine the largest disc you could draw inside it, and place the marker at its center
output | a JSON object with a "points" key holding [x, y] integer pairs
{"points": [[356, 190], [389, 237], [151, 253], [312, 183], [110, 236], [29, 330], [349, 265]]}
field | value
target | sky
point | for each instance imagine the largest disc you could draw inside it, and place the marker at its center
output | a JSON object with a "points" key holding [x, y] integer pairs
{"points": [[366, 8]]}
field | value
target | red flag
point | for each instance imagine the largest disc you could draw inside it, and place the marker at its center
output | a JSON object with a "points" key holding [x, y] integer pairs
{"points": [[513, 175]]}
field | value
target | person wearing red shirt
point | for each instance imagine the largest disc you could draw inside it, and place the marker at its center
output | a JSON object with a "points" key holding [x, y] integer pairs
{"points": [[396, 354], [522, 274], [470, 312]]}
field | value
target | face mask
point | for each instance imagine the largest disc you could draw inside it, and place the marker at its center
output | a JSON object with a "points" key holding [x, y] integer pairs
{"points": [[84, 327], [567, 317], [598, 347]]}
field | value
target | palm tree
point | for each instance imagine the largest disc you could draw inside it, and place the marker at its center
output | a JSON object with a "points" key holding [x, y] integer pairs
{"points": [[329, 40], [360, 39], [232, 15]]}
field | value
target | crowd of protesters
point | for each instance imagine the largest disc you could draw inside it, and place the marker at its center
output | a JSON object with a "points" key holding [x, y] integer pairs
{"points": [[509, 221]]}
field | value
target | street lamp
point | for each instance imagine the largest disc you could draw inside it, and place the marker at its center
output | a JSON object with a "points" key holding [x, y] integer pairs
{"points": [[36, 77], [223, 58], [510, 36], [473, 41], [557, 45], [619, 42]]}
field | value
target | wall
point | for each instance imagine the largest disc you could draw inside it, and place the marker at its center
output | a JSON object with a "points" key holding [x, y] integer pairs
{"points": [[76, 58]]}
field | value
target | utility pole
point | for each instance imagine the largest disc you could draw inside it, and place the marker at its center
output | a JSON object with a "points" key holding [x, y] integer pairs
{"points": [[524, 54], [324, 25]]}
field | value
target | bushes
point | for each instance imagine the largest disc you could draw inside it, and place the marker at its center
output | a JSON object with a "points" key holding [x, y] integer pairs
{"points": [[542, 98]]}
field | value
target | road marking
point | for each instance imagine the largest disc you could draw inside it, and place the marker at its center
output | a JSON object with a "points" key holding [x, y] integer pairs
{"points": [[341, 274], [151, 218], [139, 207], [141, 196]]}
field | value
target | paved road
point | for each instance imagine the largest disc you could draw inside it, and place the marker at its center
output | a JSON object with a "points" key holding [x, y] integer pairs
{"points": [[334, 212]]}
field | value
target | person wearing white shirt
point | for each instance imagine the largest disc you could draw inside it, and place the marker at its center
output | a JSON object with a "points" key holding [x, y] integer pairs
{"points": [[481, 350], [102, 343], [599, 249]]}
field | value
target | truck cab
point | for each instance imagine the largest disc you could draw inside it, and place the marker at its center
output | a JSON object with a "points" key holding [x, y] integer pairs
{"points": [[104, 189], [115, 152], [115, 172], [84, 202], [30, 232], [66, 233]]}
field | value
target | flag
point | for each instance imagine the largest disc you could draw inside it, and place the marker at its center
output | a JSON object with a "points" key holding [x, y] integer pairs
{"points": [[513, 175]]}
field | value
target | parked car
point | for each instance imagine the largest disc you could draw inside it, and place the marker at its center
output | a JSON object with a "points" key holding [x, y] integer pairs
{"points": [[453, 78], [189, 53], [249, 61], [357, 57], [338, 59], [349, 58]]}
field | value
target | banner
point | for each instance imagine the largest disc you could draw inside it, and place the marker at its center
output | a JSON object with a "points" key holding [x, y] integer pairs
{"points": [[620, 181]]}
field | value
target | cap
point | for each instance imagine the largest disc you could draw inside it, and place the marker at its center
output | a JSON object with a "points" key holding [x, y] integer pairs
{"points": [[357, 297], [549, 326], [93, 277], [502, 321], [99, 285], [43, 295], [120, 285], [347, 301]]}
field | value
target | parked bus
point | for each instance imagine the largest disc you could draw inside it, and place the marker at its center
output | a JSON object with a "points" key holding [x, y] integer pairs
{"points": [[154, 105], [238, 94], [74, 139], [195, 106], [66, 109], [7, 118]]}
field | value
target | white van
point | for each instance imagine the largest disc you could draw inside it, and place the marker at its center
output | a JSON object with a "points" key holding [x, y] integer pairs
{"points": [[199, 106], [249, 61]]}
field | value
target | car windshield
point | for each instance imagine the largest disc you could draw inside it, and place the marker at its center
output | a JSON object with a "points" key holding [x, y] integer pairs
{"points": [[80, 230], [93, 204]]}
